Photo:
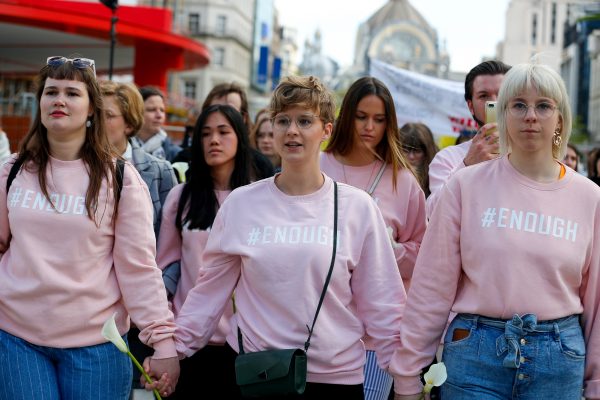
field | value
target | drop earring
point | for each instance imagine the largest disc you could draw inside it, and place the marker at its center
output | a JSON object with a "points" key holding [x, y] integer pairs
{"points": [[556, 138], [88, 123]]}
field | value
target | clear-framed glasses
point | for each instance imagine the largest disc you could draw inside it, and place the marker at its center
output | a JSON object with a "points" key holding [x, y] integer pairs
{"points": [[109, 116], [519, 109], [417, 151], [80, 63], [282, 122]]}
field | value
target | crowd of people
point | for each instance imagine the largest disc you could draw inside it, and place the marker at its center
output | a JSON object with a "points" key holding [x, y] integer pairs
{"points": [[486, 250]]}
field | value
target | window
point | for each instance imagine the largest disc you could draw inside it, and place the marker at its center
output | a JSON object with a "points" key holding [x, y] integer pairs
{"points": [[194, 24], [221, 27], [534, 30], [190, 90], [219, 56]]}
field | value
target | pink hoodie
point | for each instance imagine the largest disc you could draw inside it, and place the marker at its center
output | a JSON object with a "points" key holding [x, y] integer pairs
{"points": [[63, 276], [500, 244], [275, 251], [187, 246]]}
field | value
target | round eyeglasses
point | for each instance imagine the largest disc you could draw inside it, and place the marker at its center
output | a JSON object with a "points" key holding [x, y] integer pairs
{"points": [[543, 110], [282, 122]]}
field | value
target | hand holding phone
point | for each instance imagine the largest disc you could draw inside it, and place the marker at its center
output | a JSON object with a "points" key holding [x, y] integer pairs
{"points": [[490, 114]]}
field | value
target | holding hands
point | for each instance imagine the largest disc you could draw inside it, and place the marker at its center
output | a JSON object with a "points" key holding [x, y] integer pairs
{"points": [[165, 373]]}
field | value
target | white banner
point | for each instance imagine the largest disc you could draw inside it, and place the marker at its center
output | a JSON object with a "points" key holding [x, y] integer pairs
{"points": [[438, 103]]}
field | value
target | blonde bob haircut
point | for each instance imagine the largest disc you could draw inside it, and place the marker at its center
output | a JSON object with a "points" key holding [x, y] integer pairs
{"points": [[303, 91], [130, 102], [548, 84]]}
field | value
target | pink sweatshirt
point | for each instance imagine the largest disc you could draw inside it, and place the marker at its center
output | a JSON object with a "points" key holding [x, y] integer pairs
{"points": [[275, 251], [500, 244], [403, 209], [63, 276], [444, 164], [187, 246]]}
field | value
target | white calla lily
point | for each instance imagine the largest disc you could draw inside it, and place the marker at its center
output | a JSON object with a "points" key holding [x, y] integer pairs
{"points": [[111, 333], [436, 376]]}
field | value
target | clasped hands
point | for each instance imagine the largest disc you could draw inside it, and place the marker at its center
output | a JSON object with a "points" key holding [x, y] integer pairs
{"points": [[164, 372]]}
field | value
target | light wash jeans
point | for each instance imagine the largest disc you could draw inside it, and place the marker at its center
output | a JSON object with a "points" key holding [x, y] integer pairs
{"points": [[517, 359], [29, 372]]}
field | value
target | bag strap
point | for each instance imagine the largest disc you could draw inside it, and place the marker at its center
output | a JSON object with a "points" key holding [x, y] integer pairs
{"points": [[377, 179], [120, 172], [311, 328], [14, 170], [335, 223]]}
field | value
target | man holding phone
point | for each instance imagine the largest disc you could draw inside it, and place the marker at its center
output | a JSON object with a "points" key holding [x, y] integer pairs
{"points": [[481, 85]]}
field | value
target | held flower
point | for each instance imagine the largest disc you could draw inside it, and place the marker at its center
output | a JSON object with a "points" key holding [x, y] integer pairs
{"points": [[111, 333], [436, 376]]}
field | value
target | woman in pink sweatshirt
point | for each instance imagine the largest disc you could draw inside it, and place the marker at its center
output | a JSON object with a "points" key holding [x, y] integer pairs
{"points": [[272, 243], [513, 249], [67, 259], [365, 152], [221, 162]]}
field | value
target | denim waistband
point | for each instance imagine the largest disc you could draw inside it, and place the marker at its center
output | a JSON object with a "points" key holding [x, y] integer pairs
{"points": [[517, 327]]}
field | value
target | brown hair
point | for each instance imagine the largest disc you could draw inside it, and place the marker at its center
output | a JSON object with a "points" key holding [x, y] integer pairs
{"points": [[343, 138], [418, 136], [303, 91], [223, 89], [130, 101], [95, 152]]}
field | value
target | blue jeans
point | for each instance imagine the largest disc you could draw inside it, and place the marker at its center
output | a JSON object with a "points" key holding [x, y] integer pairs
{"points": [[30, 372], [516, 359]]}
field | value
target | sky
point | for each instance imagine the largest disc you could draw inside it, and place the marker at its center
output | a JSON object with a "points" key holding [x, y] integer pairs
{"points": [[470, 28]]}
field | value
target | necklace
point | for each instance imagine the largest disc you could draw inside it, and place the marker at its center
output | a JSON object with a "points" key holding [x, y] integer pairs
{"points": [[366, 189]]}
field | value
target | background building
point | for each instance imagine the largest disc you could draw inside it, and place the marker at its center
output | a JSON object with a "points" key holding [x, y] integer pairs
{"points": [[399, 35], [226, 28]]}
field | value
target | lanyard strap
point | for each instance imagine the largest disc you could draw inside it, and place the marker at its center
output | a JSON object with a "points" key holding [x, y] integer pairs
{"points": [[335, 223]]}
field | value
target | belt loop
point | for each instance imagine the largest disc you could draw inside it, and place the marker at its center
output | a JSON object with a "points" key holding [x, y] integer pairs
{"points": [[476, 321], [556, 332]]}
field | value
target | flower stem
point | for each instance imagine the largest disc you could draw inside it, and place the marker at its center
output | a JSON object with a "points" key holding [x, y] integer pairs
{"points": [[146, 376]]}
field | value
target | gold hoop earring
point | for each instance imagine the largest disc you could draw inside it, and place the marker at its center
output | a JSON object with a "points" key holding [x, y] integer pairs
{"points": [[556, 138]]}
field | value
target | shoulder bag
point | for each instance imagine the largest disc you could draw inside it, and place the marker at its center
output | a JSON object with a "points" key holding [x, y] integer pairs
{"points": [[280, 372]]}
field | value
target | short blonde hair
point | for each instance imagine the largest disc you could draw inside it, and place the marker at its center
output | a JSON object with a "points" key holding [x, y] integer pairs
{"points": [[547, 83], [303, 91], [130, 101]]}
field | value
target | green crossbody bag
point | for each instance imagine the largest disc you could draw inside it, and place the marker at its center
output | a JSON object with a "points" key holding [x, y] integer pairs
{"points": [[280, 372]]}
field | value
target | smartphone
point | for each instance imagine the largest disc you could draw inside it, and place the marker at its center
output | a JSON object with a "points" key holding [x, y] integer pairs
{"points": [[490, 113]]}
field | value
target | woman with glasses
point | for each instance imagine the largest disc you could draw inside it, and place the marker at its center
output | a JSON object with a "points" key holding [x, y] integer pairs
{"points": [[221, 162], [276, 258], [420, 148], [512, 248], [365, 152], [124, 116], [68, 260]]}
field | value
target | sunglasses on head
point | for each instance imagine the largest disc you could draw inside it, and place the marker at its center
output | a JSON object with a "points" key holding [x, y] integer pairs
{"points": [[79, 63]]}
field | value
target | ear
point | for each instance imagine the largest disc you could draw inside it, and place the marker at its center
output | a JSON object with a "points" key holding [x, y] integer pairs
{"points": [[470, 105], [559, 125], [327, 129], [128, 130]]}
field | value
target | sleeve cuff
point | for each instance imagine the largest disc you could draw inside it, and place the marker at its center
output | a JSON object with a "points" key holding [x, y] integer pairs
{"points": [[592, 389], [407, 385], [164, 349]]}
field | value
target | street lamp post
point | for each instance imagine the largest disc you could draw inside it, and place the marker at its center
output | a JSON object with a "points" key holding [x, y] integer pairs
{"points": [[112, 4]]}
